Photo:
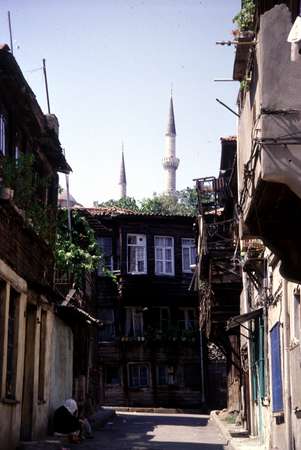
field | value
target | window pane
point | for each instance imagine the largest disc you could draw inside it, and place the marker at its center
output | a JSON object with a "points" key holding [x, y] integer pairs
{"points": [[138, 323], [168, 254], [187, 242], [105, 247], [132, 259], [159, 253], [140, 266], [143, 376], [162, 375], [168, 242], [186, 259], [168, 267], [159, 266], [132, 239], [193, 255], [159, 241], [112, 375], [140, 252]]}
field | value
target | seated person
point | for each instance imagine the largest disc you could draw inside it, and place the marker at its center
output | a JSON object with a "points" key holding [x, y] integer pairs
{"points": [[65, 420]]}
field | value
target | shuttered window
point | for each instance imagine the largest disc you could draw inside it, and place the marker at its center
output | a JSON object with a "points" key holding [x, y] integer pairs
{"points": [[277, 394]]}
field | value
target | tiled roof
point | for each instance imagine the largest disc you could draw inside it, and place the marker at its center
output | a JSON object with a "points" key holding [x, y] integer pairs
{"points": [[115, 211], [229, 139]]}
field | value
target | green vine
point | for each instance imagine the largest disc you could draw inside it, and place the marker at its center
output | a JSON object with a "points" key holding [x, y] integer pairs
{"points": [[76, 253], [29, 188], [244, 85], [245, 18]]}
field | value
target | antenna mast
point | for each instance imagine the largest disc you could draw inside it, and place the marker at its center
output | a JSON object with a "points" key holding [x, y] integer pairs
{"points": [[10, 33]]}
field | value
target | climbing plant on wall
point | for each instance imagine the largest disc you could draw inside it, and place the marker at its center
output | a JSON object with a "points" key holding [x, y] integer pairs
{"points": [[76, 252]]}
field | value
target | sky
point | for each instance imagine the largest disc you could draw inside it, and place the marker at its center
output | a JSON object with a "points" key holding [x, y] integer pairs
{"points": [[110, 66]]}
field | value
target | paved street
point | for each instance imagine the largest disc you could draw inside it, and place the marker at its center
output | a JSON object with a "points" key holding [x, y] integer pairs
{"points": [[143, 431]]}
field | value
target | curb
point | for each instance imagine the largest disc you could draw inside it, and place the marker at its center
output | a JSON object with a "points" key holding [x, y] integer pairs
{"points": [[154, 410], [101, 417], [223, 430]]}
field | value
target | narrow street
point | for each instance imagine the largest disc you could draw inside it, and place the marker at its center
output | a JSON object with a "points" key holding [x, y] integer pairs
{"points": [[141, 431]]}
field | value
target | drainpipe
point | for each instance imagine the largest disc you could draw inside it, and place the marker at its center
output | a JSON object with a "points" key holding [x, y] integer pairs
{"points": [[202, 368], [246, 309], [286, 368]]}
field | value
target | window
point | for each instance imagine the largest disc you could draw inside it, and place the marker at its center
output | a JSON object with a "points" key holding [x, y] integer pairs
{"points": [[107, 331], [134, 322], [164, 255], [277, 395], [138, 375], [295, 331], [188, 254], [42, 357], [186, 320], [12, 330], [192, 376], [105, 247], [136, 258], [2, 134], [112, 375], [165, 375], [161, 318]]}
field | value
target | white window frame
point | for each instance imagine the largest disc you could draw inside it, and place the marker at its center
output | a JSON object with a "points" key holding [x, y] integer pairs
{"points": [[106, 261], [2, 134], [296, 317], [186, 319], [160, 310], [169, 375], [192, 259], [134, 317], [164, 260], [139, 386], [142, 243]]}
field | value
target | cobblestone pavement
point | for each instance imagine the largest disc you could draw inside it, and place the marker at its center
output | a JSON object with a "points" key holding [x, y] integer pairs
{"points": [[144, 431]]}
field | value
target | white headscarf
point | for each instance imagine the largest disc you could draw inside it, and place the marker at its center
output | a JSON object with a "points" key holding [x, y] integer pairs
{"points": [[71, 405]]}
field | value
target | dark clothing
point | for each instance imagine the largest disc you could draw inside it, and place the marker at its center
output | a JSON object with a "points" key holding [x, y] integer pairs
{"points": [[64, 422]]}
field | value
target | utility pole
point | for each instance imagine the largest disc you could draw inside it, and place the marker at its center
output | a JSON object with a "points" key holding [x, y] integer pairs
{"points": [[46, 84]]}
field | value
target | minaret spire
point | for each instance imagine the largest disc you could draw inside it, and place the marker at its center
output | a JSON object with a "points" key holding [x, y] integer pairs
{"points": [[122, 178], [170, 161]]}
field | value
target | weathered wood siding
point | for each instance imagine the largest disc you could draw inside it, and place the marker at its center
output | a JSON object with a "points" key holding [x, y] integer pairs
{"points": [[22, 249], [148, 291]]}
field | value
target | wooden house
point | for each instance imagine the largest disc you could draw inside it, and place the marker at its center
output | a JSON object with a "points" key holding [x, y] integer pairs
{"points": [[149, 347], [30, 157]]}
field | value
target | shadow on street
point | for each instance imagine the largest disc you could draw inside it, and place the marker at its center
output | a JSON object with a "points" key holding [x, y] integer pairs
{"points": [[158, 432]]}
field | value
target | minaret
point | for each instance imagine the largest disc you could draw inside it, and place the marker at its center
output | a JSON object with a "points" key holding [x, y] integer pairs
{"points": [[170, 162], [122, 178]]}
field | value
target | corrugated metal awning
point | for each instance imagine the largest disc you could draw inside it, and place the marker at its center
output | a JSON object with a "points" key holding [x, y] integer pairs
{"points": [[238, 320]]}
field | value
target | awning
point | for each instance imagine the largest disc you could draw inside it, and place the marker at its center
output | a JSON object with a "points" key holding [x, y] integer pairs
{"points": [[238, 320], [73, 315]]}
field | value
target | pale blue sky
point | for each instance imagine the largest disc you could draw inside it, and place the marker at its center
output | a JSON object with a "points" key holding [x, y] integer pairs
{"points": [[110, 66]]}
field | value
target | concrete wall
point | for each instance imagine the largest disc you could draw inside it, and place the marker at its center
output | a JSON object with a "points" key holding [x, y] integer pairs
{"points": [[61, 371], [10, 411], [27, 415], [275, 86], [271, 427]]}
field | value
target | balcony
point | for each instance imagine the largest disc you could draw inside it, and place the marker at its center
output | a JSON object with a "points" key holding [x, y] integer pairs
{"points": [[269, 145]]}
